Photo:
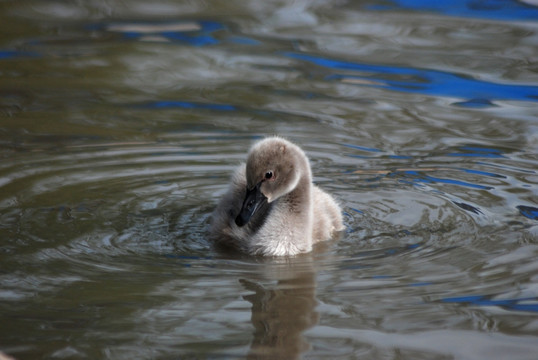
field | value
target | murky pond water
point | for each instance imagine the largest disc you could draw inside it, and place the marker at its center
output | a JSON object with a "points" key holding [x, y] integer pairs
{"points": [[121, 123]]}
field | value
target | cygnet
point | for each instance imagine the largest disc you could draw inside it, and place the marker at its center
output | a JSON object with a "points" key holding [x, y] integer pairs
{"points": [[271, 207]]}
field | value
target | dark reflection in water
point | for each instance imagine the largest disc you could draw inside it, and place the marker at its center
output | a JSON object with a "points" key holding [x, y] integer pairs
{"points": [[281, 312]]}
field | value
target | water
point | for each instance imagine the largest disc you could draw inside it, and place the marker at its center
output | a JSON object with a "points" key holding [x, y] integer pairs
{"points": [[121, 123]]}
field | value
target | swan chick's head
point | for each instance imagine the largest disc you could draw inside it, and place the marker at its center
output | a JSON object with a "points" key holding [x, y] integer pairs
{"points": [[274, 168]]}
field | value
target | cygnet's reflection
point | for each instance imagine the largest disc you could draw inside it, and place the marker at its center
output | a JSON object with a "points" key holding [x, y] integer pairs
{"points": [[282, 311]]}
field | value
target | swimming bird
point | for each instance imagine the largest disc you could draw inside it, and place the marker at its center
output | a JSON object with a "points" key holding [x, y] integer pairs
{"points": [[272, 208]]}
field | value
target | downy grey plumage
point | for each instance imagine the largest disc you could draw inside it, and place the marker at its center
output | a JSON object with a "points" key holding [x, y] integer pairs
{"points": [[271, 207]]}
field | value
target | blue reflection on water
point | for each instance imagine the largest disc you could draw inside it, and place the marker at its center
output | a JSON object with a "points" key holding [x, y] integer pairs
{"points": [[475, 104], [483, 173], [244, 40], [423, 81], [528, 211], [490, 9], [198, 38], [201, 34], [523, 304], [12, 54], [473, 151], [417, 177]]}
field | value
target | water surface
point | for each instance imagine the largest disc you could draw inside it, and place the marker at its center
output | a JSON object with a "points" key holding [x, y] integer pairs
{"points": [[121, 123]]}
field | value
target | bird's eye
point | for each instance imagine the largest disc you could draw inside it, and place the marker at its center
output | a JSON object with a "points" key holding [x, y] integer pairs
{"points": [[268, 175]]}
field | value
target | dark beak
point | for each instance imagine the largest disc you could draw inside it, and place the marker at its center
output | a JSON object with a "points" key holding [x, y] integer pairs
{"points": [[253, 199]]}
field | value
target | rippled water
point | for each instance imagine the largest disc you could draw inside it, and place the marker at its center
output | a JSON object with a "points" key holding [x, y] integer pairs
{"points": [[121, 123]]}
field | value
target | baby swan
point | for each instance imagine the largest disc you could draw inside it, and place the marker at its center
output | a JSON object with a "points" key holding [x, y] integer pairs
{"points": [[271, 207]]}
